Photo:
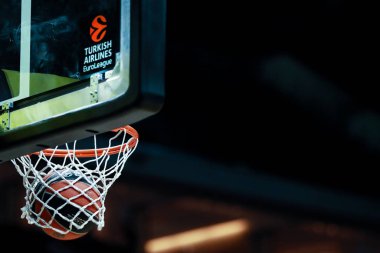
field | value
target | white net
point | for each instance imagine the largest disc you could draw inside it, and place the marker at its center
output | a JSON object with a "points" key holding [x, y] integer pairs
{"points": [[66, 187]]}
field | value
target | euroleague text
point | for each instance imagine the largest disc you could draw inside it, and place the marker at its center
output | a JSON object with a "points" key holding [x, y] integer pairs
{"points": [[97, 56]]}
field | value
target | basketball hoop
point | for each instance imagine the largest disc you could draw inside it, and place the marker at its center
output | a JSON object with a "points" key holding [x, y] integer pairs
{"points": [[72, 167]]}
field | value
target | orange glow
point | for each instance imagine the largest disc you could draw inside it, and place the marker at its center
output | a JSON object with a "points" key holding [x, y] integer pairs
{"points": [[196, 236]]}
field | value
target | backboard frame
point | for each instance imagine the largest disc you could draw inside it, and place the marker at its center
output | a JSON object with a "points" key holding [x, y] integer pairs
{"points": [[144, 98]]}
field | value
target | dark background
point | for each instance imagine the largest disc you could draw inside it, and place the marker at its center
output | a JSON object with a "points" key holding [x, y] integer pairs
{"points": [[271, 114], [289, 88]]}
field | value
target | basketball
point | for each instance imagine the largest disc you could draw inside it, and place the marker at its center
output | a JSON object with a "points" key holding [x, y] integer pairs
{"points": [[75, 198]]}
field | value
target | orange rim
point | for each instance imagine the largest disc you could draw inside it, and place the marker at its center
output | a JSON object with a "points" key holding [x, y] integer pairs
{"points": [[131, 143]]}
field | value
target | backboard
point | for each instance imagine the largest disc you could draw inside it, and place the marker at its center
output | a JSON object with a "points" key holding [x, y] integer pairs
{"points": [[70, 69]]}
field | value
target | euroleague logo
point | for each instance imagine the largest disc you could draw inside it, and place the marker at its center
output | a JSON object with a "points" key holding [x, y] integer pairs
{"points": [[98, 28], [99, 53]]}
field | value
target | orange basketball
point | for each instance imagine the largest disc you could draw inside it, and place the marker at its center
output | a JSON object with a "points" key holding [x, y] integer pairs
{"points": [[76, 199]]}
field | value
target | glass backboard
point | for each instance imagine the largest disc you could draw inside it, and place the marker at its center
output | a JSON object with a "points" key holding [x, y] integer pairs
{"points": [[70, 68]]}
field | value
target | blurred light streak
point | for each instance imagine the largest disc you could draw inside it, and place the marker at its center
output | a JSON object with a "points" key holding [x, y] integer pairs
{"points": [[198, 236]]}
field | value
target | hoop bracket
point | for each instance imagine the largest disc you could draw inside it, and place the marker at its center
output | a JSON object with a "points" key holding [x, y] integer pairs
{"points": [[5, 115], [94, 85]]}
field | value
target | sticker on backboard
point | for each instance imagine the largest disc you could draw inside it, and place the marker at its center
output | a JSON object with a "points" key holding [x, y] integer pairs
{"points": [[99, 53]]}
